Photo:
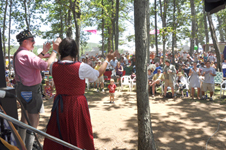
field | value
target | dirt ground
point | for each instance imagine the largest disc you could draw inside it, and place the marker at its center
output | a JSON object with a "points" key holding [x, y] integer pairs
{"points": [[178, 124]]}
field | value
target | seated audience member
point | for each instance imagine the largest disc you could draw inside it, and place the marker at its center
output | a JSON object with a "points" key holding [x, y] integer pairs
{"points": [[180, 83], [157, 67], [157, 80], [8, 83]]}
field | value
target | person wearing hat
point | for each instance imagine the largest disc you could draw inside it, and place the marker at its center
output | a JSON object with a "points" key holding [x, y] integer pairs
{"points": [[27, 68], [157, 80], [169, 72]]}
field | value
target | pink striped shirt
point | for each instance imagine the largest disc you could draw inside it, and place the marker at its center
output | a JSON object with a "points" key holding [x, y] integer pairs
{"points": [[28, 67]]}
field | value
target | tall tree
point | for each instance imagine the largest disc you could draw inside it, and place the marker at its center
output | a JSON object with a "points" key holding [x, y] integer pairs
{"points": [[26, 14], [163, 10], [206, 30], [116, 25], [156, 33], [215, 42], [4, 28], [102, 28], [148, 34], [145, 135], [113, 24], [174, 29], [10, 13], [192, 3], [220, 29]]}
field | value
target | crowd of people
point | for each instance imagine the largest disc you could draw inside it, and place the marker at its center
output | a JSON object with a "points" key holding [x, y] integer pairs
{"points": [[183, 75], [176, 74]]}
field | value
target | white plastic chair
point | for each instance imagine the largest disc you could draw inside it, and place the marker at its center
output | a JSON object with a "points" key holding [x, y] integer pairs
{"points": [[133, 83], [223, 88], [126, 80], [87, 82]]}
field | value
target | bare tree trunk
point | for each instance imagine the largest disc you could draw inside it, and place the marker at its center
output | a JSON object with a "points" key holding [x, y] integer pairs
{"points": [[26, 15], [69, 29], [10, 12], [174, 29], [163, 16], [148, 30], [156, 33], [192, 27], [102, 28], [215, 42], [113, 26], [116, 25], [145, 135], [206, 30], [61, 24], [109, 39], [4, 28], [221, 32]]}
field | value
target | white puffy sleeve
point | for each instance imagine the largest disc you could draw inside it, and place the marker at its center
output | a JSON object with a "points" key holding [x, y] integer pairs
{"points": [[86, 71]]}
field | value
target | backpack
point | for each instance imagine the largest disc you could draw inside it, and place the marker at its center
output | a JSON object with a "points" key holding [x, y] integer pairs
{"points": [[169, 95]]}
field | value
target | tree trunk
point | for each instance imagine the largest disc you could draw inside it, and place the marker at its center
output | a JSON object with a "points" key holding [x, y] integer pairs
{"points": [[215, 42], [76, 11], [148, 30], [69, 29], [26, 15], [206, 30], [163, 16], [196, 37], [192, 27], [10, 12], [102, 28], [4, 28], [116, 25], [61, 24], [145, 135], [109, 39], [113, 26], [156, 33], [221, 32], [174, 28]]}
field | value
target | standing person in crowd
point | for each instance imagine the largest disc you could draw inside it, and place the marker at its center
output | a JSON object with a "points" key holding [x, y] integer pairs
{"points": [[119, 71], [122, 62], [205, 57], [157, 81], [185, 56], [194, 74], [100, 80], [208, 83], [181, 83], [27, 68], [169, 72], [186, 68], [114, 62], [112, 88], [196, 58], [70, 118]]}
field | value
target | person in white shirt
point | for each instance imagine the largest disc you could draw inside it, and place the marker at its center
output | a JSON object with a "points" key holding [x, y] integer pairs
{"points": [[208, 83]]}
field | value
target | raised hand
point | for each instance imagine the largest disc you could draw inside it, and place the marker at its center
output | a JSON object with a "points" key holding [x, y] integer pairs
{"points": [[46, 47], [56, 44]]}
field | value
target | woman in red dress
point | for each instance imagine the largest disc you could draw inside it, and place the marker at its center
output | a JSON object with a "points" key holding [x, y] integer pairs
{"points": [[70, 118]]}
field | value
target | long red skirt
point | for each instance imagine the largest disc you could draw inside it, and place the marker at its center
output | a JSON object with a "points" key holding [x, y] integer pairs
{"points": [[75, 125]]}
